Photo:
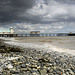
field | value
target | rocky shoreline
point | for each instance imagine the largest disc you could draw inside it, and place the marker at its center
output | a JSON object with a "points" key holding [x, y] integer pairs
{"points": [[18, 61]]}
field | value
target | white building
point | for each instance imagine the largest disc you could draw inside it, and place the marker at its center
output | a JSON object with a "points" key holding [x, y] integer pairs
{"points": [[35, 32], [6, 30]]}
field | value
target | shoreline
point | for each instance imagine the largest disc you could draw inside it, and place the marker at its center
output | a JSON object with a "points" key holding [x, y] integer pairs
{"points": [[36, 62], [45, 46]]}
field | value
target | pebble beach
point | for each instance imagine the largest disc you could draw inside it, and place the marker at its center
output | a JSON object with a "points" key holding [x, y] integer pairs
{"points": [[37, 56]]}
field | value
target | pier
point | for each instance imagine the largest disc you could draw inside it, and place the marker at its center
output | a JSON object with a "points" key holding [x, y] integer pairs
{"points": [[35, 35], [9, 32]]}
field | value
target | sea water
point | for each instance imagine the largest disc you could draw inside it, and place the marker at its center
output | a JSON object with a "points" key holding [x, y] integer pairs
{"points": [[39, 46]]}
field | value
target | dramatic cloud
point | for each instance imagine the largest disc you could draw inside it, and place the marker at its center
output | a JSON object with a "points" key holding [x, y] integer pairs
{"points": [[38, 15], [10, 10]]}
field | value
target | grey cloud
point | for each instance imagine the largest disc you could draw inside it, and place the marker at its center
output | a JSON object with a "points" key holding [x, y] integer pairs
{"points": [[67, 1], [61, 1], [11, 9], [32, 12]]}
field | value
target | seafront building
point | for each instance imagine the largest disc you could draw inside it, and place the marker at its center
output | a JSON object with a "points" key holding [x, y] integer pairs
{"points": [[7, 32], [34, 33]]}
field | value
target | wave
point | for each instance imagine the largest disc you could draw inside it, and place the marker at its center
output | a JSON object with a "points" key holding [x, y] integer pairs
{"points": [[39, 46]]}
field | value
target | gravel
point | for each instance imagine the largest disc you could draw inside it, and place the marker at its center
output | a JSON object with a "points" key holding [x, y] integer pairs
{"points": [[32, 61]]}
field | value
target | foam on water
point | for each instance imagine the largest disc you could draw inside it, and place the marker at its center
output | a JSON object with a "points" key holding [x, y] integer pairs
{"points": [[46, 46], [12, 39]]}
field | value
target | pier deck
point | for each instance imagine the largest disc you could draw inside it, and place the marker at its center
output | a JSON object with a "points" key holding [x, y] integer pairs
{"points": [[35, 35]]}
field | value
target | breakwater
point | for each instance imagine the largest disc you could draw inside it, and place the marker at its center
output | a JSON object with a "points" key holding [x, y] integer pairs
{"points": [[35, 62]]}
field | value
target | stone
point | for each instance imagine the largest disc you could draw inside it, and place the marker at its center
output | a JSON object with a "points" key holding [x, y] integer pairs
{"points": [[44, 67], [34, 66], [67, 73], [51, 70], [38, 67], [31, 62], [50, 64], [18, 66], [14, 72], [8, 72], [27, 64], [15, 63], [24, 69], [23, 66], [36, 61], [34, 73], [27, 73], [64, 74], [9, 66], [71, 72], [29, 69], [20, 63], [43, 72], [30, 57]]}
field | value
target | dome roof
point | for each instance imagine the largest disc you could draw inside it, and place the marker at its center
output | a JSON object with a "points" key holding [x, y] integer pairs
{"points": [[11, 27]]}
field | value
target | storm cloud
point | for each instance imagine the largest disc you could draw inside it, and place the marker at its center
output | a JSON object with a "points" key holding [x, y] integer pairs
{"points": [[42, 15], [10, 10]]}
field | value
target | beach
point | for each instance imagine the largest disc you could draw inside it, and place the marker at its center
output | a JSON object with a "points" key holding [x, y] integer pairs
{"points": [[40, 56]]}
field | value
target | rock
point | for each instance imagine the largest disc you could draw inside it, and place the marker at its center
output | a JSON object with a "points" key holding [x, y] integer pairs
{"points": [[43, 60], [64, 73], [14, 72], [2, 44], [34, 73], [27, 64], [67, 73], [29, 69], [44, 67], [38, 67], [33, 62], [71, 72], [58, 70], [9, 66], [8, 72], [33, 66], [18, 66], [23, 66], [43, 72], [72, 68], [24, 69]]}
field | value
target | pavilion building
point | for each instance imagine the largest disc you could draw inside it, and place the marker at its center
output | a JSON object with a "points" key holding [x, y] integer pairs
{"points": [[6, 30]]}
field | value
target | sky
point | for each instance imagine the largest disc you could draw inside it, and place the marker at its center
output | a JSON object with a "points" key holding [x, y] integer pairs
{"points": [[46, 16]]}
